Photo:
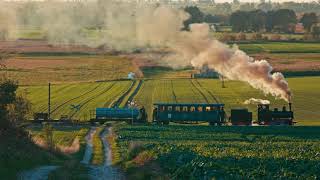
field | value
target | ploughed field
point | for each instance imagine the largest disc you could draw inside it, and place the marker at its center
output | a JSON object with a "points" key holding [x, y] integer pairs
{"points": [[202, 152], [88, 96]]}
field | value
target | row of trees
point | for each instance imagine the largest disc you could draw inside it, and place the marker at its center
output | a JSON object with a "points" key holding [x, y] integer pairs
{"points": [[280, 21], [283, 20]]}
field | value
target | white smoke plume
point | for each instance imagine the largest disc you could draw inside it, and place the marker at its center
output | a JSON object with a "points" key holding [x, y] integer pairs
{"points": [[256, 101], [127, 26]]}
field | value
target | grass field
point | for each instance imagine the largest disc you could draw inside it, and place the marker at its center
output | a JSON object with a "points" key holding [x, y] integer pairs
{"points": [[304, 92], [202, 152], [280, 47], [35, 70], [87, 96], [92, 95]]}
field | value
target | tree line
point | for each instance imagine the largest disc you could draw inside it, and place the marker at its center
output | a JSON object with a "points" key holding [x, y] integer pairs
{"points": [[279, 21]]}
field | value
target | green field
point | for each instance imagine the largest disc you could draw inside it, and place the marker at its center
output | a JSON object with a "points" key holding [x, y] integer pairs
{"points": [[87, 96], [202, 152], [92, 95], [280, 47]]}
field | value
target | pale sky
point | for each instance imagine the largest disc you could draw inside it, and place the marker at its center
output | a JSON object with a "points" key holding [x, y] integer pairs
{"points": [[218, 1]]}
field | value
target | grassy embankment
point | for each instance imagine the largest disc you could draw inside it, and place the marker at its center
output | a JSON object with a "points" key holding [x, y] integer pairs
{"points": [[70, 168], [184, 152]]}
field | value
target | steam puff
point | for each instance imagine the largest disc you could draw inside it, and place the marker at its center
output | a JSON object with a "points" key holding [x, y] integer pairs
{"points": [[256, 101], [127, 26], [232, 63]]}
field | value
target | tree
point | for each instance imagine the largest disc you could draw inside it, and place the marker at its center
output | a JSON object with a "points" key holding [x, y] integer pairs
{"points": [[282, 19], [196, 16], [315, 31], [257, 20], [308, 20], [239, 21], [8, 90]]}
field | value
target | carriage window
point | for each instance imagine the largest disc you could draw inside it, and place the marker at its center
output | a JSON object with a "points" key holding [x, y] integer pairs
{"points": [[207, 108], [177, 108], [213, 108], [192, 109], [169, 108], [200, 109], [185, 108], [162, 108]]}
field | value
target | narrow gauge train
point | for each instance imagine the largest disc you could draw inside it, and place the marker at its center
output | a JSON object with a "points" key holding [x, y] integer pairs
{"points": [[214, 114]]}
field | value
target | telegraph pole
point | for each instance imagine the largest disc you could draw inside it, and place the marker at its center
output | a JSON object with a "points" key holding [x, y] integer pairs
{"points": [[49, 102]]}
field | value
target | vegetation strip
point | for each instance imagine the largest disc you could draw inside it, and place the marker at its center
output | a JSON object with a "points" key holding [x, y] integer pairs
{"points": [[184, 152], [210, 93]]}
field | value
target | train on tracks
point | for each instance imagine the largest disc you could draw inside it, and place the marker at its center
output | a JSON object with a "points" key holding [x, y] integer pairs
{"points": [[164, 113]]}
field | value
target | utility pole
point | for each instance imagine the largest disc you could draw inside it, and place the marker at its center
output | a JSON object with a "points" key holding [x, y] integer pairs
{"points": [[49, 102], [222, 82]]}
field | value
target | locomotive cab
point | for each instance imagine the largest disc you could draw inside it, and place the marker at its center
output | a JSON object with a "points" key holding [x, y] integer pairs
{"points": [[275, 116]]}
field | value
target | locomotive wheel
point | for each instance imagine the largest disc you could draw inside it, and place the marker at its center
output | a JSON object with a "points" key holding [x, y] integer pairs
{"points": [[212, 123], [166, 122]]}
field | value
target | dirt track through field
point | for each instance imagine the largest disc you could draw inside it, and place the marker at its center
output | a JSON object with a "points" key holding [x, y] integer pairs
{"points": [[120, 99], [135, 92], [106, 171], [200, 91], [209, 92], [89, 148], [173, 93]]}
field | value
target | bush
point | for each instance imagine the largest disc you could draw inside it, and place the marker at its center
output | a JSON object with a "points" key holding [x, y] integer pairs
{"points": [[241, 37], [256, 36], [275, 37]]}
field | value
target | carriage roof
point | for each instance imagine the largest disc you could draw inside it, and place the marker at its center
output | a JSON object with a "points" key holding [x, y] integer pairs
{"points": [[188, 104]]}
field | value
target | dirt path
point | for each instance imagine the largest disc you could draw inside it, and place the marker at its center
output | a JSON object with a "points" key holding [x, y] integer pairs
{"points": [[89, 149], [106, 171]]}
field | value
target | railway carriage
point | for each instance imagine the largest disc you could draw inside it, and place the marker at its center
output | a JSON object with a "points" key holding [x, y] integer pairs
{"points": [[164, 113]]}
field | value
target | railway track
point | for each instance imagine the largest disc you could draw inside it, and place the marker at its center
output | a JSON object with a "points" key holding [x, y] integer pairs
{"points": [[90, 99]]}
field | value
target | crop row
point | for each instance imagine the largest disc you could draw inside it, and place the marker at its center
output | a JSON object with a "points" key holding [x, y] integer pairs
{"points": [[203, 152]]}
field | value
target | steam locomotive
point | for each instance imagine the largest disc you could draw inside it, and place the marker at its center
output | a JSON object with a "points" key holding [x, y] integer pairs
{"points": [[214, 114]]}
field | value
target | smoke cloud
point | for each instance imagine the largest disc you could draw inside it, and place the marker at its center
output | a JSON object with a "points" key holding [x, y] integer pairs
{"points": [[128, 26], [256, 101], [7, 22]]}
